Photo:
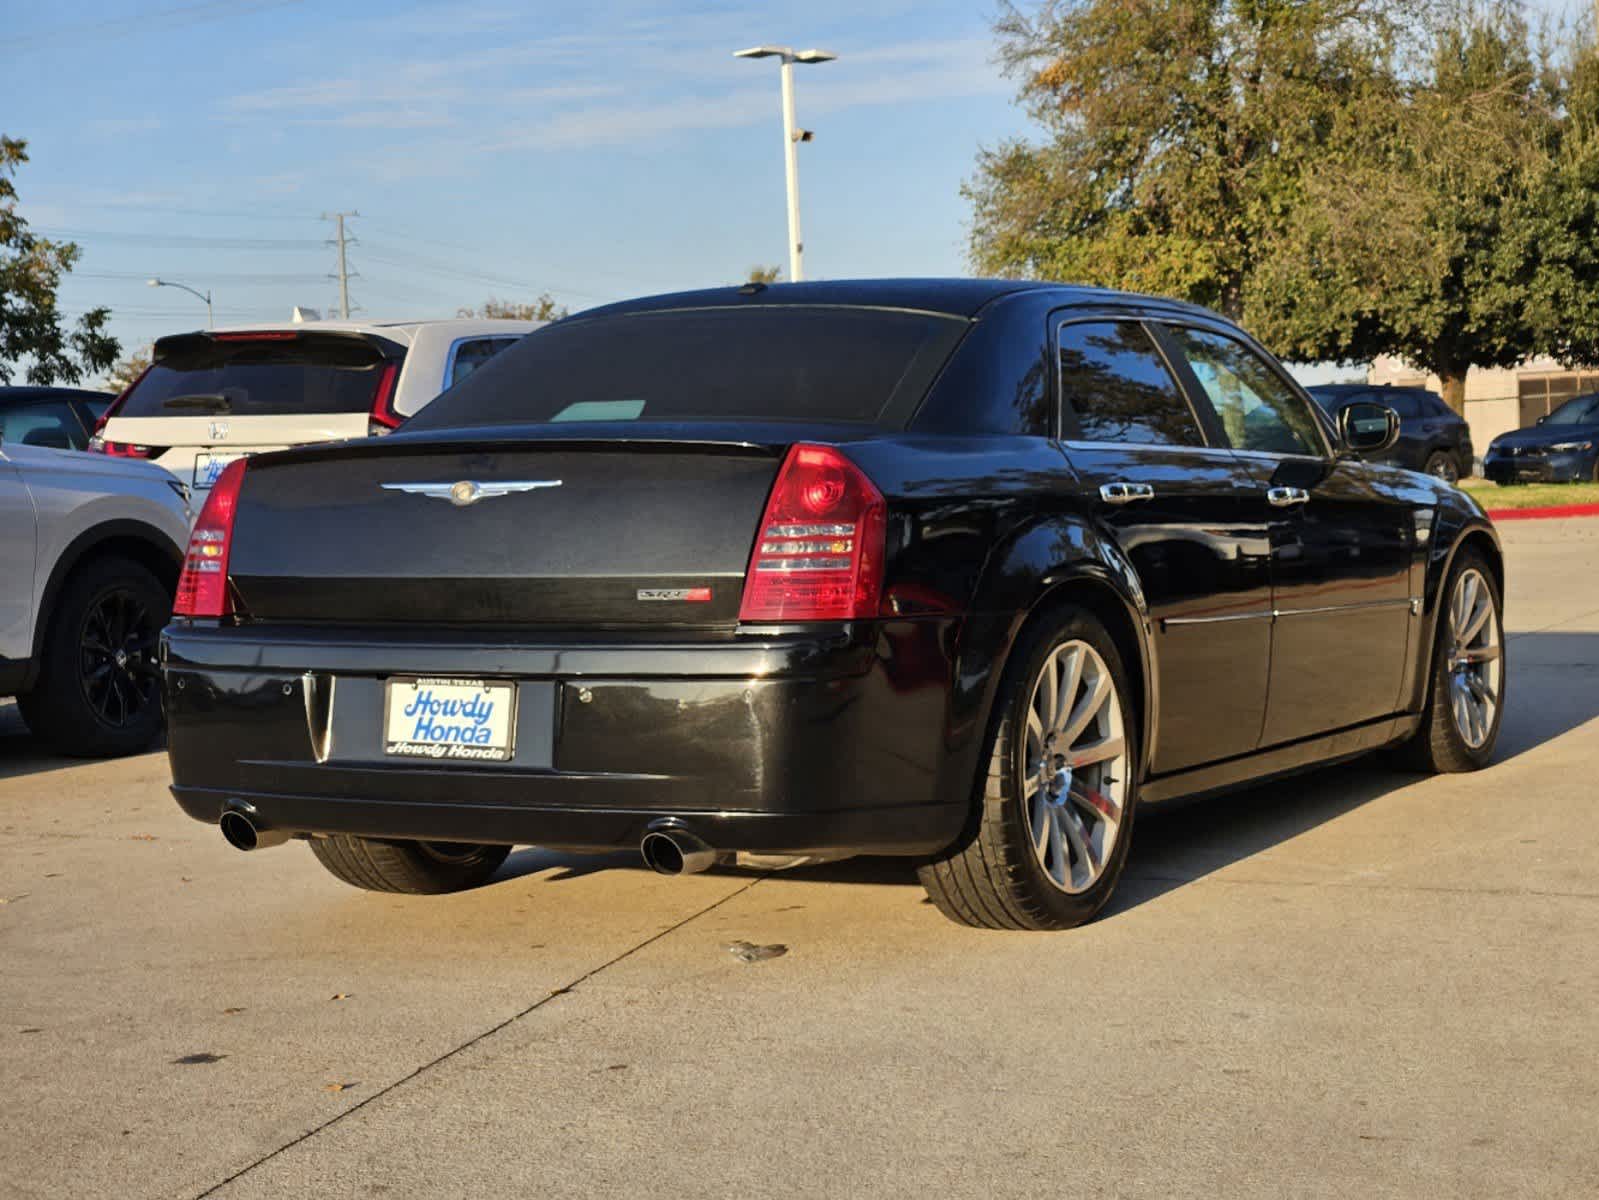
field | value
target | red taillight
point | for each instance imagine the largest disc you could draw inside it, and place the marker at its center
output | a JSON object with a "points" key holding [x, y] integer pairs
{"points": [[257, 335], [383, 418], [120, 449], [819, 554], [203, 585]]}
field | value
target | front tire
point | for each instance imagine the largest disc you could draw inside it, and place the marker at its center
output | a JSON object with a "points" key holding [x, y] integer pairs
{"points": [[1058, 791], [414, 868], [1466, 686], [1443, 466], [98, 691]]}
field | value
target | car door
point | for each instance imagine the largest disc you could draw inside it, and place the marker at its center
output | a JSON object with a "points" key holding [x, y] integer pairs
{"points": [[1181, 509], [1342, 539]]}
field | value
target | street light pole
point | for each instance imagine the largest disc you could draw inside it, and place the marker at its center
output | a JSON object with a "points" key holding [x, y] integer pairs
{"points": [[792, 137], [210, 322]]}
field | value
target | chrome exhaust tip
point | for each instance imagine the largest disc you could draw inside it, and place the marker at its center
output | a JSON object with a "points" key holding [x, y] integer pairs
{"points": [[673, 852], [241, 831]]}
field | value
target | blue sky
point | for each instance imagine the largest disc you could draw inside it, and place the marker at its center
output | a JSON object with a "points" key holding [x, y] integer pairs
{"points": [[595, 150]]}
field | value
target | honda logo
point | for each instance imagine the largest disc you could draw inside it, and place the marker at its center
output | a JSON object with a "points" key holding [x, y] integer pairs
{"points": [[219, 431]]}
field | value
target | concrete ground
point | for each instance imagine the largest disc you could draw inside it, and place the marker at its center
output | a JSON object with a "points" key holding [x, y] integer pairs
{"points": [[1353, 983]]}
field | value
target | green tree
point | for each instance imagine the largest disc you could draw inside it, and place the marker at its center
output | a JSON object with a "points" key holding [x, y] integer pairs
{"points": [[123, 376], [1177, 135], [542, 309], [31, 268], [759, 274], [1460, 227]]}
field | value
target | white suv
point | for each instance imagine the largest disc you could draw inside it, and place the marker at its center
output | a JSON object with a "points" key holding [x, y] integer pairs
{"points": [[209, 398], [89, 555]]}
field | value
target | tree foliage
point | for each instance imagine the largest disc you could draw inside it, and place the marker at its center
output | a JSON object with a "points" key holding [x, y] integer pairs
{"points": [[127, 371], [1460, 226], [1347, 177], [542, 309], [31, 268], [762, 274]]}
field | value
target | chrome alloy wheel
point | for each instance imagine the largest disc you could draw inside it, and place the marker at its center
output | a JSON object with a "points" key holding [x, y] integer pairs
{"points": [[1074, 766], [1476, 663]]}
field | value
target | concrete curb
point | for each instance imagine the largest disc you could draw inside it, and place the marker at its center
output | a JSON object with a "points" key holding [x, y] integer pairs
{"points": [[1540, 514]]}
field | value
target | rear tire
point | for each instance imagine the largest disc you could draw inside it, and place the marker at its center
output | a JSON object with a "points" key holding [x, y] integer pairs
{"points": [[1467, 664], [415, 868], [98, 691], [1057, 795]]}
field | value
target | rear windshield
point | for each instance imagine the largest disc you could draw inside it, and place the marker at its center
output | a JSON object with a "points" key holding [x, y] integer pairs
{"points": [[865, 366], [199, 377]]}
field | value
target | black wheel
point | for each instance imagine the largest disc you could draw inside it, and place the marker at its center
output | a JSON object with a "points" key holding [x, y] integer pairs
{"points": [[1441, 465], [1058, 789], [98, 692], [1466, 688], [419, 868]]}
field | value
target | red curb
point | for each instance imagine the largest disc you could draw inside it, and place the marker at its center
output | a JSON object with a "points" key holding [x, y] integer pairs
{"points": [[1534, 514]]}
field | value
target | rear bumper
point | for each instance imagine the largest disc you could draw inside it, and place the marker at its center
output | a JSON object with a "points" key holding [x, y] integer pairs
{"points": [[806, 742]]}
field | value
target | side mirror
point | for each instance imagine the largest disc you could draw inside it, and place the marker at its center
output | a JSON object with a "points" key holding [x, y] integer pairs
{"points": [[1367, 428]]}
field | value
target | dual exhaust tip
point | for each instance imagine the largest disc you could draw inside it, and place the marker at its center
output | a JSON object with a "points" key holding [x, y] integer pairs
{"points": [[243, 830], [666, 851], [675, 852]]}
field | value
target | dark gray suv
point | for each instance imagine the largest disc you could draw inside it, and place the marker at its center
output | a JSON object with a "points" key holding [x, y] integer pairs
{"points": [[1432, 437]]}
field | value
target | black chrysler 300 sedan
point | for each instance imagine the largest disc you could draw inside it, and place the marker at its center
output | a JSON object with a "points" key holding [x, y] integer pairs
{"points": [[963, 571]]}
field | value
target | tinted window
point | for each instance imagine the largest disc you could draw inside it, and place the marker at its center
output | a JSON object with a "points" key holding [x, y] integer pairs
{"points": [[470, 355], [776, 364], [1406, 404], [52, 423], [258, 378], [1115, 387], [1256, 406]]}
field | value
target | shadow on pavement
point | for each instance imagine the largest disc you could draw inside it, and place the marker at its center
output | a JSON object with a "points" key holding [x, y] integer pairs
{"points": [[1551, 691]]}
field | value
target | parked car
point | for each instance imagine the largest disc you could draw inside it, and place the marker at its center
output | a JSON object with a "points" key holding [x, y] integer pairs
{"points": [[1432, 436], [59, 417], [90, 550], [1562, 447], [215, 396], [964, 571]]}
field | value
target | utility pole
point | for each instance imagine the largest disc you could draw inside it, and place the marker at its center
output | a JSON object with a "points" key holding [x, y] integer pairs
{"points": [[344, 271]]}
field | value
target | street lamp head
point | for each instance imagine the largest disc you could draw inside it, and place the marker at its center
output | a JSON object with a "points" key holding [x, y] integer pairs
{"points": [[815, 56], [765, 52], [152, 283]]}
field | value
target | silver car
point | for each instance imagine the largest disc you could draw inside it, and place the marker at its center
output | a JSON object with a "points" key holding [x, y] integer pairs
{"points": [[90, 549]]}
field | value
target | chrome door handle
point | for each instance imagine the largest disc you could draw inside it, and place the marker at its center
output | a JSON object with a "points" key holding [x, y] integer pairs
{"points": [[1125, 493], [1286, 497]]}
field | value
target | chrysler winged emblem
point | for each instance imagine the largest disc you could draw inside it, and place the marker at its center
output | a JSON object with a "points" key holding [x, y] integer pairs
{"points": [[469, 491]]}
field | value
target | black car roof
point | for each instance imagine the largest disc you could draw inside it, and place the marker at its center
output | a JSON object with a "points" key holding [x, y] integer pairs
{"points": [[1339, 389], [40, 393], [956, 297]]}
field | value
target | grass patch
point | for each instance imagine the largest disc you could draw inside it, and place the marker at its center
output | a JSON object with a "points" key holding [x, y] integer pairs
{"points": [[1531, 495]]}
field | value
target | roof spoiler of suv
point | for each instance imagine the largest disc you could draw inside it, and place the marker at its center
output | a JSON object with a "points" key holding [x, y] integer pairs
{"points": [[176, 343]]}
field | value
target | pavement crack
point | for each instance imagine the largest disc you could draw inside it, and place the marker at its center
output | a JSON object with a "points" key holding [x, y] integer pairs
{"points": [[475, 1039]]}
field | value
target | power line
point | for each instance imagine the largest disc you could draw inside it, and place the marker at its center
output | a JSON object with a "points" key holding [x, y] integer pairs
{"points": [[159, 20], [180, 239]]}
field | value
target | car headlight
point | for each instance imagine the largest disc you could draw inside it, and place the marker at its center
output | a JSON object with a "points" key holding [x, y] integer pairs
{"points": [[1572, 446]]}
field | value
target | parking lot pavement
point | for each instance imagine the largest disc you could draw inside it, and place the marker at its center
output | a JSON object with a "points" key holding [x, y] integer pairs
{"points": [[1352, 983]]}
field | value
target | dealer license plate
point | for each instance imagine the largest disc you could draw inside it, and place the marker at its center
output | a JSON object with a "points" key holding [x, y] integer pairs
{"points": [[465, 720], [208, 466]]}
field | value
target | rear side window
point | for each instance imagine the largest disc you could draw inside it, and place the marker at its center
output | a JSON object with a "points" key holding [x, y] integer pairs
{"points": [[847, 365], [472, 354], [1406, 404], [49, 423], [196, 376], [1257, 408], [1115, 388]]}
